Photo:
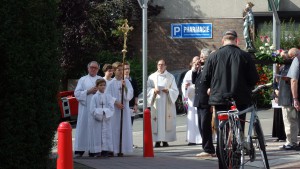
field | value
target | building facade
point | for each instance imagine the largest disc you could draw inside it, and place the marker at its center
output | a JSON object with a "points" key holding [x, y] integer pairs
{"points": [[222, 14]]}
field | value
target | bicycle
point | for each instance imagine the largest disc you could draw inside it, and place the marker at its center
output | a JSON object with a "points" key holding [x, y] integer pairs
{"points": [[232, 146]]}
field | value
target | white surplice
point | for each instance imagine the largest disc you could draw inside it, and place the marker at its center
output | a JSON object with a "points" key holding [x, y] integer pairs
{"points": [[192, 129], [82, 127], [163, 110], [114, 89], [107, 81], [102, 109]]}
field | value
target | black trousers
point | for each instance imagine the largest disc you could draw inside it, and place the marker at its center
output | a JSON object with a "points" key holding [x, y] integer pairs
{"points": [[132, 119], [204, 123], [226, 108]]}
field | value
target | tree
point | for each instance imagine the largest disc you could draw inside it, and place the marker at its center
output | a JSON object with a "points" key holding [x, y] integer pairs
{"points": [[89, 29], [30, 75]]}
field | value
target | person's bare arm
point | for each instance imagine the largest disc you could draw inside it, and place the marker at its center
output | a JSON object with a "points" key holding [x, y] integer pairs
{"points": [[135, 104], [294, 88]]}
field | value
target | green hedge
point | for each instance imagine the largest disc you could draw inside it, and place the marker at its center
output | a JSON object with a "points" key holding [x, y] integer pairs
{"points": [[30, 76]]}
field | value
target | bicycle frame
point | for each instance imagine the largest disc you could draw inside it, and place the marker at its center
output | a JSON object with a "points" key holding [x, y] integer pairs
{"points": [[234, 123], [227, 148], [253, 118]]}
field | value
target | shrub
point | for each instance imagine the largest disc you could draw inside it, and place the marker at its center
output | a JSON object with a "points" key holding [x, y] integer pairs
{"points": [[30, 80], [289, 34]]}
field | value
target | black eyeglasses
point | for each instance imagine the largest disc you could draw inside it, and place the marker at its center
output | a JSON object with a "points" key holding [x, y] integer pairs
{"points": [[93, 67]]}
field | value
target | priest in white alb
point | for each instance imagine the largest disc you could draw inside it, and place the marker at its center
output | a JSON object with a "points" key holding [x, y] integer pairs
{"points": [[115, 90], [162, 93], [84, 91], [193, 136]]}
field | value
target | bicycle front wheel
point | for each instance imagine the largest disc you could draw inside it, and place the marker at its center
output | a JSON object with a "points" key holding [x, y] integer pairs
{"points": [[261, 143], [230, 154]]}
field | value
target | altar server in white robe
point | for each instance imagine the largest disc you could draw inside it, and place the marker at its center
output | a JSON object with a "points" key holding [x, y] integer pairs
{"points": [[162, 93], [193, 136], [115, 89], [102, 109], [108, 73], [84, 91]]}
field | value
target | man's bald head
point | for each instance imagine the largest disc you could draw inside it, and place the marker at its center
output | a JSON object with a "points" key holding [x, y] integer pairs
{"points": [[293, 52], [284, 54]]}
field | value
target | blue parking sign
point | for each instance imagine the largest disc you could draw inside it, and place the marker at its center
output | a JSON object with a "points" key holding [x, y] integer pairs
{"points": [[176, 31], [191, 30]]}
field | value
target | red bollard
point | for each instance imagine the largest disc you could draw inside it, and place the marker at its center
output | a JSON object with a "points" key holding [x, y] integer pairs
{"points": [[148, 143], [64, 147]]}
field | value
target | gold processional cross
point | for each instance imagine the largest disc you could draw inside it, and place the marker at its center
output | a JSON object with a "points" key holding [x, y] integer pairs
{"points": [[125, 29]]}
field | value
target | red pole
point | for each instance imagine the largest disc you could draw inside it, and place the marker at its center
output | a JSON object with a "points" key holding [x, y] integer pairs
{"points": [[148, 143], [64, 147]]}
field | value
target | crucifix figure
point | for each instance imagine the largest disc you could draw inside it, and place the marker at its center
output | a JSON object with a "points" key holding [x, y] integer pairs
{"points": [[120, 89], [102, 104], [125, 28]]}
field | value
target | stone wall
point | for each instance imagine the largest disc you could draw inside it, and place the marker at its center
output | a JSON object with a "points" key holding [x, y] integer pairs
{"points": [[179, 52]]}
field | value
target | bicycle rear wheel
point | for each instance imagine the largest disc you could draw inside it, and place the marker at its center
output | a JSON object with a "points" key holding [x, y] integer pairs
{"points": [[261, 143], [230, 154]]}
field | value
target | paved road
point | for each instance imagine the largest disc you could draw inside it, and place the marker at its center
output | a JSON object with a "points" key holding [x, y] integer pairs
{"points": [[179, 155]]}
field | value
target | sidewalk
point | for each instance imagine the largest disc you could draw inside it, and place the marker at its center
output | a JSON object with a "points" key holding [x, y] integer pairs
{"points": [[183, 156]]}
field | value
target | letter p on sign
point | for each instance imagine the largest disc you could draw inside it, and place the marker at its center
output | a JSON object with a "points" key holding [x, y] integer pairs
{"points": [[176, 31]]}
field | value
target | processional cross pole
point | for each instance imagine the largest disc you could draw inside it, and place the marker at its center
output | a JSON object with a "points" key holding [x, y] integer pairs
{"points": [[125, 28]]}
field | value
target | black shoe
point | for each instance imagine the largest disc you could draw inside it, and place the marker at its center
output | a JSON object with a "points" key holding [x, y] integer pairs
{"points": [[104, 153], [78, 154], [110, 154], [92, 154], [157, 144], [287, 147], [97, 155], [192, 144], [165, 144]]}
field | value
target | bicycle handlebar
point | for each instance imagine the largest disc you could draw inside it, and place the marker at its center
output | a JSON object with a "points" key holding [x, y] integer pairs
{"points": [[261, 86]]}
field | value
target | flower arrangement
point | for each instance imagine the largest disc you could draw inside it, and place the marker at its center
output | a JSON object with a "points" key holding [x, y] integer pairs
{"points": [[264, 96], [268, 52]]}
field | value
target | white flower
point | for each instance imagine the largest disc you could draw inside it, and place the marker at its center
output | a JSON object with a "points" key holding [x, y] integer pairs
{"points": [[272, 47], [268, 52], [261, 48], [262, 52], [267, 44]]}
